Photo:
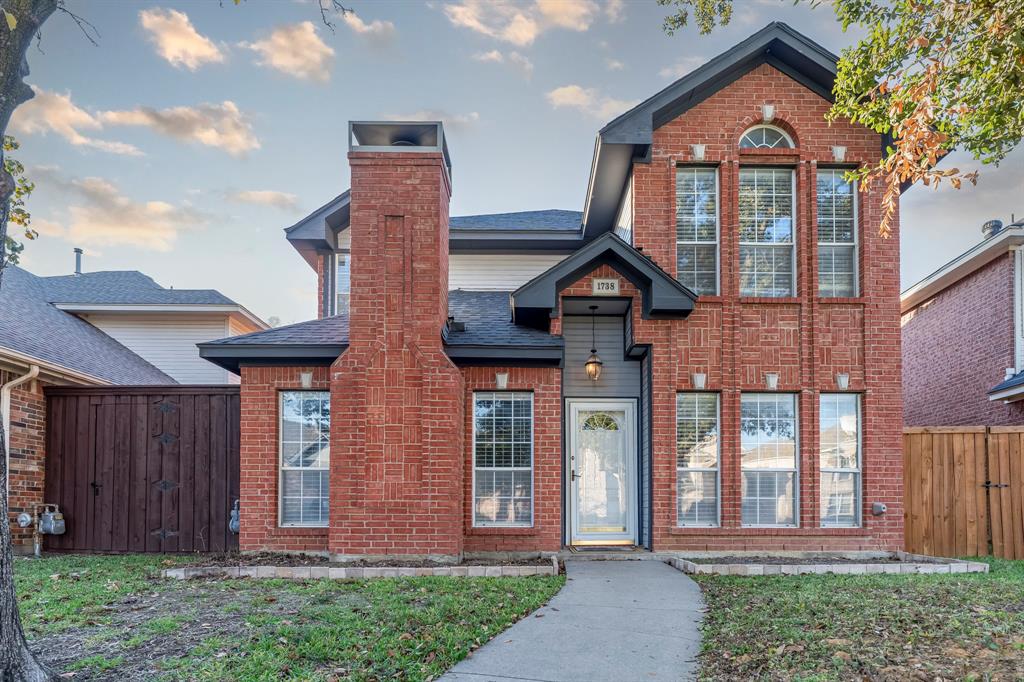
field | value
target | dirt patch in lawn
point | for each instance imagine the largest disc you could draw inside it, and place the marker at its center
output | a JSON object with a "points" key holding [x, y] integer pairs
{"points": [[283, 559], [143, 630]]}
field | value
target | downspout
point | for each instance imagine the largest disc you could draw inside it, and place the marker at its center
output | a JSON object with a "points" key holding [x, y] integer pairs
{"points": [[5, 408]]}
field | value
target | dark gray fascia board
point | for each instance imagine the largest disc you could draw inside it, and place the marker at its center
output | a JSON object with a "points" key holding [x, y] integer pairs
{"points": [[662, 296], [520, 356], [513, 241], [232, 356]]}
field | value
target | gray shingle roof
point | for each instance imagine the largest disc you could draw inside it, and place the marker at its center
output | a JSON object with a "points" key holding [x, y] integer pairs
{"points": [[1013, 382], [30, 325], [123, 287], [554, 219], [329, 331], [488, 319]]}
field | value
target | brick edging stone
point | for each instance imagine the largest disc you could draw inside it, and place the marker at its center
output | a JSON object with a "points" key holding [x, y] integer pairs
{"points": [[906, 564]]}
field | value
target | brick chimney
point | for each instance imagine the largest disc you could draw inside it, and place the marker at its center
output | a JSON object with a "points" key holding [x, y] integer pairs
{"points": [[397, 401]]}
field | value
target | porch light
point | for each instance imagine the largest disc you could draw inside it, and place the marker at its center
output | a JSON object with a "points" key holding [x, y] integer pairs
{"points": [[771, 380], [501, 380], [593, 363], [838, 153], [699, 379], [698, 151], [843, 381], [767, 112]]}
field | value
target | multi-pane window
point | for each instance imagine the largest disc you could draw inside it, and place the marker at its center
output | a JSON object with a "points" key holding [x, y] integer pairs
{"points": [[840, 459], [768, 434], [502, 459], [697, 450], [342, 283], [305, 431], [765, 137], [767, 266], [837, 234], [697, 228]]}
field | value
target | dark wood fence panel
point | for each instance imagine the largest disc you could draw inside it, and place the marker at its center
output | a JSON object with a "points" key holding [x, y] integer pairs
{"points": [[143, 468]]}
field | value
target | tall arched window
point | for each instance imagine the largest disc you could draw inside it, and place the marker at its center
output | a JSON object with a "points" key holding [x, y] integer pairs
{"points": [[765, 137]]}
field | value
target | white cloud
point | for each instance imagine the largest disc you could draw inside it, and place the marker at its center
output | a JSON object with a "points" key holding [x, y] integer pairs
{"points": [[99, 215], [520, 23], [514, 59], [265, 197], [295, 49], [588, 100], [53, 112], [681, 67], [177, 40], [615, 10], [614, 64], [377, 32], [221, 126], [451, 121]]}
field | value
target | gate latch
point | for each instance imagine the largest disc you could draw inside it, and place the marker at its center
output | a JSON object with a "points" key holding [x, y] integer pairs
{"points": [[96, 488], [990, 485]]}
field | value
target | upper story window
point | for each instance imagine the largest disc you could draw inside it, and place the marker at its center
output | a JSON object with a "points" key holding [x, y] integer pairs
{"points": [[767, 258], [837, 234], [697, 228], [766, 137], [342, 283]]}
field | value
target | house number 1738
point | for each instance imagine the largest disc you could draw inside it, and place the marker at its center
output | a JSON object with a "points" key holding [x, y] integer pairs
{"points": [[606, 287]]}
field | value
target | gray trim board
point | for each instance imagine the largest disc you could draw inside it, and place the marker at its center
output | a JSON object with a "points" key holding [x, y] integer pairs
{"points": [[232, 357]]}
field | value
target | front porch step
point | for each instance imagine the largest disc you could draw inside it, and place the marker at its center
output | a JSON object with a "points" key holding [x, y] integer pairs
{"points": [[609, 554]]}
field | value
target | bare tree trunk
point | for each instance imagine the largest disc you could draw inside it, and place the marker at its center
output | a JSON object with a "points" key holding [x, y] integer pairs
{"points": [[17, 662]]}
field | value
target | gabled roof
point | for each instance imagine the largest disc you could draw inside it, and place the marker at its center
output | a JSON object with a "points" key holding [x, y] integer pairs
{"points": [[32, 328], [316, 342], [662, 295]]}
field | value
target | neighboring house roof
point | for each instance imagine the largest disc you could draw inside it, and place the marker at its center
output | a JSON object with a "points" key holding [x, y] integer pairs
{"points": [[552, 219], [1009, 389], [316, 342], [124, 287], [963, 265], [33, 329]]}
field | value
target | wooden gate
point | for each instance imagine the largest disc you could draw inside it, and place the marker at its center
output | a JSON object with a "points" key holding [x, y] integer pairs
{"points": [[963, 491], [143, 469]]}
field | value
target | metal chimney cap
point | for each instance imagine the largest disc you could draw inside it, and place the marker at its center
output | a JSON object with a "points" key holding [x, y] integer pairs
{"points": [[991, 227]]}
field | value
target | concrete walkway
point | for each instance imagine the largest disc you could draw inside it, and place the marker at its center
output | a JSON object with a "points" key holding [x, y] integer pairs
{"points": [[614, 621]]}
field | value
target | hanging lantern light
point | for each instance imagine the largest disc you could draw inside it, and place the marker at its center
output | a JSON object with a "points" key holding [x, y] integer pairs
{"points": [[593, 363]]}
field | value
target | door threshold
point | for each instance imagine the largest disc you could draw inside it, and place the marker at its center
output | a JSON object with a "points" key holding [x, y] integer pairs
{"points": [[606, 548]]}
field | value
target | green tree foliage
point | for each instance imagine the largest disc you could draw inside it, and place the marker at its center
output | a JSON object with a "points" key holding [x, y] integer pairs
{"points": [[17, 214]]}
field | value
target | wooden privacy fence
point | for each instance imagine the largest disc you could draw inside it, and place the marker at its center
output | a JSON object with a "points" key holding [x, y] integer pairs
{"points": [[964, 491], [143, 468]]}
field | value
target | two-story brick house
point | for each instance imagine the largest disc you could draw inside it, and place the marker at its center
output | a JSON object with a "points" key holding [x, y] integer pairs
{"points": [[707, 357]]}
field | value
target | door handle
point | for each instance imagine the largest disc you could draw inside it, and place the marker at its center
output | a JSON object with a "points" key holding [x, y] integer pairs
{"points": [[574, 475]]}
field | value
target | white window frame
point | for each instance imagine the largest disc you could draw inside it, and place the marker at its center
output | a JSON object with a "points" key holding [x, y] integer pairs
{"points": [[338, 255], [761, 126], [794, 236], [281, 468], [718, 226], [856, 234], [533, 479], [717, 522], [795, 470], [857, 472]]}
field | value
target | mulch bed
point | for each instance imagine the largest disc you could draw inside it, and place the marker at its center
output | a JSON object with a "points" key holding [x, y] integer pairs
{"points": [[285, 559]]}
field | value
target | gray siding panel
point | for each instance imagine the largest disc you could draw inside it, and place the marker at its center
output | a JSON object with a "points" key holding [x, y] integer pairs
{"points": [[620, 378], [645, 453]]}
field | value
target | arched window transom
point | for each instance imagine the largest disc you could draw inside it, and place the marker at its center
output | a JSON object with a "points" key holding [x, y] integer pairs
{"points": [[765, 137]]}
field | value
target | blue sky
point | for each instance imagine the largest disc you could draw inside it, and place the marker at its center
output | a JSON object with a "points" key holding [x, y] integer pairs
{"points": [[194, 132]]}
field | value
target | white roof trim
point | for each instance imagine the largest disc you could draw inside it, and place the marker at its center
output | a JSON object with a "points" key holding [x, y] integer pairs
{"points": [[221, 308], [9, 356], [1008, 395], [966, 263]]}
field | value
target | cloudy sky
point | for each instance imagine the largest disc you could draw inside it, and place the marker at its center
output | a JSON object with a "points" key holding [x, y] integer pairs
{"points": [[196, 131]]}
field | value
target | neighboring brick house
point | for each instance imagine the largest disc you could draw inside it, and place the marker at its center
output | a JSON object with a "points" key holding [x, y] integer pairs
{"points": [[706, 357], [94, 328], [967, 369]]}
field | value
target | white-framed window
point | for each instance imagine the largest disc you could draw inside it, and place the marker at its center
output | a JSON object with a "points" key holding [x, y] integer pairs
{"points": [[503, 459], [767, 246], [839, 435], [766, 136], [342, 281], [768, 458], [697, 456], [697, 228], [837, 233], [305, 447]]}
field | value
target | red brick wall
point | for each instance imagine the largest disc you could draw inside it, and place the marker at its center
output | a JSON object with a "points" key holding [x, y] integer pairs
{"points": [[546, 533], [28, 452], [806, 339], [397, 401], [260, 406], [956, 346]]}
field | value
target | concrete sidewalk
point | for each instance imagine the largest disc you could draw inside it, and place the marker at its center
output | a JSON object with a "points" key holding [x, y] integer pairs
{"points": [[614, 621]]}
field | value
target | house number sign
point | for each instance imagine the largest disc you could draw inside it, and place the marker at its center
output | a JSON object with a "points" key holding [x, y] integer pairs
{"points": [[605, 287]]}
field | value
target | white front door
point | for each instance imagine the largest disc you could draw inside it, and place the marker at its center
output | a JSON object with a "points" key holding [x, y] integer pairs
{"points": [[602, 472]]}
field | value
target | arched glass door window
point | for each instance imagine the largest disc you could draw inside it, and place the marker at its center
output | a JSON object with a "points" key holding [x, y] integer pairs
{"points": [[766, 137]]}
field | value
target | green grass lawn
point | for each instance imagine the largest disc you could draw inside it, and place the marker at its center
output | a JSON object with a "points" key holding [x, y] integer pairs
{"points": [[890, 627], [112, 618]]}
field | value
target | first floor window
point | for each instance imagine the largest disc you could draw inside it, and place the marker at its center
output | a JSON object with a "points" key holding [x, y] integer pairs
{"points": [[305, 430], [697, 451], [502, 459], [768, 436], [840, 459]]}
